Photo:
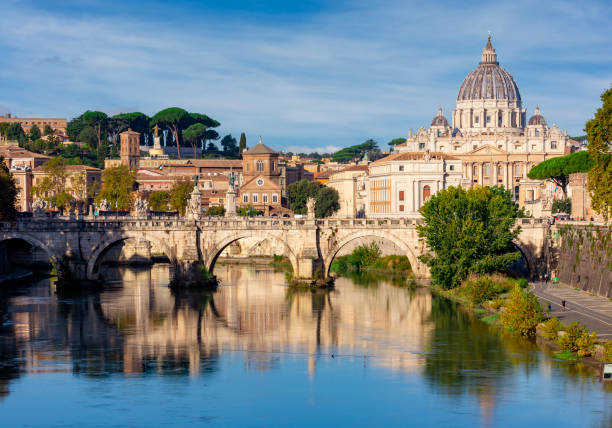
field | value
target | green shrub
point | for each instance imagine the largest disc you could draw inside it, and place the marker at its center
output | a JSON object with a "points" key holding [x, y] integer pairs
{"points": [[497, 303], [569, 340], [216, 211], [523, 312], [608, 352], [393, 263], [480, 288], [585, 344], [551, 329]]}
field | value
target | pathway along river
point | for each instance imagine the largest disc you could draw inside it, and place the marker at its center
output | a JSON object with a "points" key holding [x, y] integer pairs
{"points": [[256, 353]]}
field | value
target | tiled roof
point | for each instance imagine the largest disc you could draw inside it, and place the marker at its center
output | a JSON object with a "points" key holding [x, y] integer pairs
{"points": [[259, 149]]}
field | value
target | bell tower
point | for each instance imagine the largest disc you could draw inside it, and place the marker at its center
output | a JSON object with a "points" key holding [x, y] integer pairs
{"points": [[130, 149]]}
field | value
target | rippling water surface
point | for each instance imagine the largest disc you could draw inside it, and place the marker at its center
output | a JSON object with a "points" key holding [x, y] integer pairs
{"points": [[256, 353]]}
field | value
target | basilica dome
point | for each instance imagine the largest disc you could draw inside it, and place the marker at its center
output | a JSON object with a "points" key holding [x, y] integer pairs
{"points": [[489, 81], [439, 120], [537, 118]]}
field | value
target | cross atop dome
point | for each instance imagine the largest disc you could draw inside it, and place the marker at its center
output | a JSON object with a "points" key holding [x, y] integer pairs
{"points": [[488, 53]]}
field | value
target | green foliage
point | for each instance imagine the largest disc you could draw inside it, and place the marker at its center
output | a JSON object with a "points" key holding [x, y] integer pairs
{"points": [[551, 328], [468, 231], [117, 188], [562, 206], [558, 169], [576, 338], [136, 121], [180, 194], [580, 138], [362, 257], [15, 133], [599, 131], [98, 121], [35, 132], [393, 263], [497, 303], [47, 130], [218, 210], [326, 198], [8, 193], [158, 200], [481, 288], [242, 145], [585, 344], [522, 312], [607, 354], [355, 152], [229, 145], [174, 119], [52, 187], [248, 211], [194, 135]]}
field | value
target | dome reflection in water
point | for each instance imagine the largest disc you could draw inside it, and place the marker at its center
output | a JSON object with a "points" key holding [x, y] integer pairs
{"points": [[256, 352]]}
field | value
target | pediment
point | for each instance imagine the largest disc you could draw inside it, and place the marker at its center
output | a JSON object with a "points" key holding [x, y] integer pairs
{"points": [[487, 149]]}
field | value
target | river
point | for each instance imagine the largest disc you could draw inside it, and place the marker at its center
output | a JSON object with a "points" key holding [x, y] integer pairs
{"points": [[256, 353]]}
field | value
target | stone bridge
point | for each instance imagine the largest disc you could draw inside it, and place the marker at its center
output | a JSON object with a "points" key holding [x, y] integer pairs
{"points": [[310, 244]]}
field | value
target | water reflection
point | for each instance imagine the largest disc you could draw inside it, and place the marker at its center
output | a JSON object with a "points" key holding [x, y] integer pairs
{"points": [[137, 326]]}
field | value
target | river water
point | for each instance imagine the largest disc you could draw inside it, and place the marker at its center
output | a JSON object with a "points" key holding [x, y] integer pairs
{"points": [[256, 353]]}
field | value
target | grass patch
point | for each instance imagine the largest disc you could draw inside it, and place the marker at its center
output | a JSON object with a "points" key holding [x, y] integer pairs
{"points": [[491, 319], [566, 356], [480, 311]]}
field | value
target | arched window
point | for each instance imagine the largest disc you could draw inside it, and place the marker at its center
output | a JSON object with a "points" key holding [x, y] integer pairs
{"points": [[475, 170], [487, 170], [260, 166], [537, 132], [426, 193]]}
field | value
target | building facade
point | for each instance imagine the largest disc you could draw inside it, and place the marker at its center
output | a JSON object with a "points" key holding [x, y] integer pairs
{"points": [[490, 134], [130, 149], [351, 185], [58, 124]]}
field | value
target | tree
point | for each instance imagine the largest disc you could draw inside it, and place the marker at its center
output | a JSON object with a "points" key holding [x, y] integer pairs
{"points": [[34, 133], [193, 135], [242, 145], [15, 132], [218, 210], [88, 136], [179, 195], [118, 183], [326, 198], [230, 145], [47, 130], [599, 131], [136, 121], [98, 121], [74, 128], [248, 211], [355, 152], [559, 169], [52, 187], [562, 206], [158, 200], [468, 231], [174, 119], [8, 193]]}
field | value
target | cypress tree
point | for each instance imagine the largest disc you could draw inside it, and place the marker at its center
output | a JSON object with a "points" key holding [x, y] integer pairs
{"points": [[242, 146]]}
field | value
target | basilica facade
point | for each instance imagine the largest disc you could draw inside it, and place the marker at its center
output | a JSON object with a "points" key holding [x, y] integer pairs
{"points": [[491, 135]]}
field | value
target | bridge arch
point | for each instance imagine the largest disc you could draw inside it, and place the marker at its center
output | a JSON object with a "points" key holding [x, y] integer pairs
{"points": [[417, 266], [211, 258], [109, 240], [527, 255], [53, 258]]}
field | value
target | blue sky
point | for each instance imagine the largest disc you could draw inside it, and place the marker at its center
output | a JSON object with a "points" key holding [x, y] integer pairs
{"points": [[310, 75]]}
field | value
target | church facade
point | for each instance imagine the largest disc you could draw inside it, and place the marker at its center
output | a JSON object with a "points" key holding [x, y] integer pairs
{"points": [[491, 135]]}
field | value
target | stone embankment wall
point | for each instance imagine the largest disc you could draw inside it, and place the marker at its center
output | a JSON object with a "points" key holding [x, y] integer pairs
{"points": [[585, 257]]}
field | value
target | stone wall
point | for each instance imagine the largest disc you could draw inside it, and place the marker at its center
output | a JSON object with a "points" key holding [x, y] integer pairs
{"points": [[585, 257]]}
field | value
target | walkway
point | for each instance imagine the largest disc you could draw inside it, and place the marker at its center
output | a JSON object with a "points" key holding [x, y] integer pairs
{"points": [[595, 312]]}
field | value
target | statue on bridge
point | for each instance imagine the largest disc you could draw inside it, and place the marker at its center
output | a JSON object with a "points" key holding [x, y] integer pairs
{"points": [[104, 206], [194, 206], [38, 208], [141, 208], [310, 207]]}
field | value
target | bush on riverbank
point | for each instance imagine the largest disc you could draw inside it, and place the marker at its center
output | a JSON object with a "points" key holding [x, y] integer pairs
{"points": [[366, 259], [522, 313], [576, 338], [481, 288], [551, 328], [281, 264]]}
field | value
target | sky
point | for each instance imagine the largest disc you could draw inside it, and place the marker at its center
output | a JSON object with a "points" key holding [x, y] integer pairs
{"points": [[305, 76]]}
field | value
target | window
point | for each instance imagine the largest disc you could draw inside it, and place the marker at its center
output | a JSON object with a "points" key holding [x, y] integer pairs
{"points": [[426, 193], [245, 198], [499, 120], [553, 145], [441, 148], [401, 195], [264, 198], [421, 146], [516, 193], [274, 198], [401, 167], [474, 147], [255, 198], [517, 170], [401, 208], [439, 133], [451, 167], [499, 170], [475, 171], [476, 119], [487, 170], [533, 147], [537, 132], [260, 166], [488, 119]]}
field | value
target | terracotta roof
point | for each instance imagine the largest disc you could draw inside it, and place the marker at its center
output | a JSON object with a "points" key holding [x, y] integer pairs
{"points": [[260, 149], [130, 132], [354, 168], [213, 163], [10, 152], [72, 168], [413, 156]]}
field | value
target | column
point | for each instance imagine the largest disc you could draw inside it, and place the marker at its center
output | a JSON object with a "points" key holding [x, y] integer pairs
{"points": [[494, 166], [470, 173], [480, 174]]}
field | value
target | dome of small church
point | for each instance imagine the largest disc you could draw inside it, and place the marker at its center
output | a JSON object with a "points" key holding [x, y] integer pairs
{"points": [[537, 118], [489, 80], [439, 120]]}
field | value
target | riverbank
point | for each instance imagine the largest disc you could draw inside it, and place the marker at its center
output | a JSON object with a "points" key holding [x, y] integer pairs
{"points": [[567, 342]]}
